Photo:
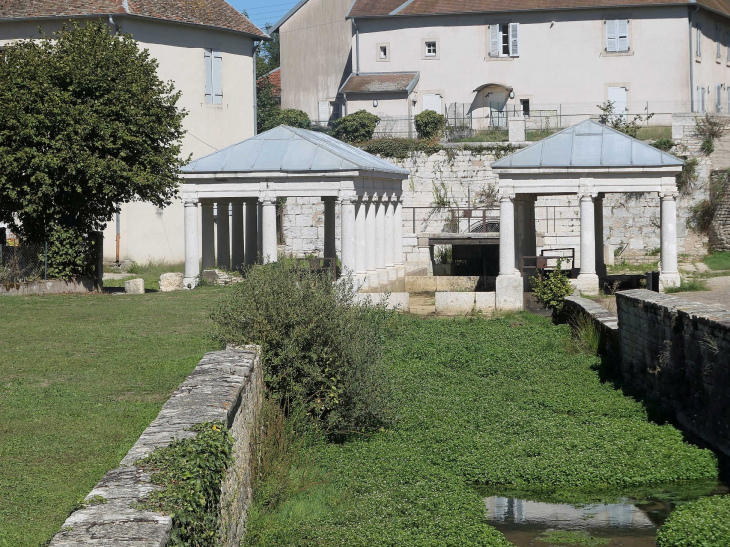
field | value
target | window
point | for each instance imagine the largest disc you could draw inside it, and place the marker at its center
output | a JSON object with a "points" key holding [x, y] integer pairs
{"points": [[700, 104], [430, 49], [698, 46], [718, 97], [213, 84], [525, 104], [433, 101], [382, 52], [504, 40], [617, 35]]}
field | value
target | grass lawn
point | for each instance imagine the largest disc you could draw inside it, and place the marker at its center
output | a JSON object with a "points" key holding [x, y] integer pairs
{"points": [[499, 403], [654, 132], [718, 261], [626, 268], [149, 272], [80, 378]]}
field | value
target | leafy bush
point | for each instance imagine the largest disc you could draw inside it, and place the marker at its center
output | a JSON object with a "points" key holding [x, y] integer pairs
{"points": [[709, 128], [429, 124], [356, 127], [400, 149], [191, 470], [707, 146], [702, 214], [703, 523], [620, 121], [552, 289], [320, 351], [663, 144], [688, 176], [288, 116]]}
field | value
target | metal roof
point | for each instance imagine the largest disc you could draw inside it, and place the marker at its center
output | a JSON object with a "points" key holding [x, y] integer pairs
{"points": [[291, 150], [381, 82], [588, 144]]}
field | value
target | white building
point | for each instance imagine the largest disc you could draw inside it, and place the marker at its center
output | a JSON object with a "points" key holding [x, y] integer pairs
{"points": [[206, 49]]}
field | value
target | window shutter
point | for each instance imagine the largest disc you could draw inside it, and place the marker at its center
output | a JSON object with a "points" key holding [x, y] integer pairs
{"points": [[718, 37], [623, 34], [514, 39], [611, 38], [494, 40], [208, 76], [323, 112], [718, 99], [698, 52], [217, 80], [727, 42]]}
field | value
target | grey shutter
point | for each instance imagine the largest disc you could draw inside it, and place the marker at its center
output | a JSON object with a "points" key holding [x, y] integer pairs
{"points": [[698, 52], [494, 40], [718, 99], [217, 80], [718, 37], [208, 76], [622, 34], [514, 39], [727, 43], [611, 38]]}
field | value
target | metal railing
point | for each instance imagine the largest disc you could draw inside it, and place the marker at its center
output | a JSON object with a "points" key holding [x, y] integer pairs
{"points": [[452, 220], [24, 262]]}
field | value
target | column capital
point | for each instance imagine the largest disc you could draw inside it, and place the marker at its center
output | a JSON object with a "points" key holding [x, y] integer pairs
{"points": [[267, 200], [190, 201], [587, 196], [669, 195], [503, 197]]}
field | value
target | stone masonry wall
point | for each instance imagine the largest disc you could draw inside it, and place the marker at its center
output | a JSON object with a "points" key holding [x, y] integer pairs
{"points": [[678, 353], [226, 386]]}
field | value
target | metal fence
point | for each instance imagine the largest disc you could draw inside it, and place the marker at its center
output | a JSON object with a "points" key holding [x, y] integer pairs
{"points": [[24, 262], [451, 220]]}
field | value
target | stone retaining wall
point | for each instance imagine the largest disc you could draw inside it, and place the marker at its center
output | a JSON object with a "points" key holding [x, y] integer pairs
{"points": [[678, 353], [605, 321], [48, 286], [227, 387]]}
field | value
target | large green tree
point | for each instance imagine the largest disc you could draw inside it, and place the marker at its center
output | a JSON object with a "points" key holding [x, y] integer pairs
{"points": [[268, 58], [85, 125]]}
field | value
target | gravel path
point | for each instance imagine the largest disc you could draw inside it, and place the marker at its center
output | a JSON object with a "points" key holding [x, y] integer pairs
{"points": [[718, 295]]}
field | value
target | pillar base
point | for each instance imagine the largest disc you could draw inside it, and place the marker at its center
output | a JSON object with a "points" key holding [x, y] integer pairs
{"points": [[392, 274], [669, 280], [587, 284], [190, 282], [510, 293], [400, 270]]}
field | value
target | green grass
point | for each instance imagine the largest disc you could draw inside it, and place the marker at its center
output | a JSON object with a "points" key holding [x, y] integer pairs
{"points": [[654, 132], [498, 403], [149, 272], [626, 268], [703, 523], [718, 261], [689, 285], [494, 135], [539, 134], [80, 378]]}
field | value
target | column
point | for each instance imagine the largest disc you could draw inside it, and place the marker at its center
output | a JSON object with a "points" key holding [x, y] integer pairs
{"points": [[669, 274], [390, 238], [224, 236], [237, 234], [509, 289], [379, 242], [587, 282], [598, 214], [269, 249], [192, 264], [252, 232], [347, 234], [361, 249], [259, 231], [370, 232], [208, 228], [398, 235], [330, 234]]}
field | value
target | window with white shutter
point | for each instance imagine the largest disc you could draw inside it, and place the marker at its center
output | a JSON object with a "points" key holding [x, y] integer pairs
{"points": [[700, 101], [213, 79], [494, 40], [698, 35], [617, 35], [514, 39], [432, 101], [718, 97], [504, 40]]}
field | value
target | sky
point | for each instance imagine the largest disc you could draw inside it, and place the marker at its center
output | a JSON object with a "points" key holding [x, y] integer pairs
{"points": [[264, 11]]}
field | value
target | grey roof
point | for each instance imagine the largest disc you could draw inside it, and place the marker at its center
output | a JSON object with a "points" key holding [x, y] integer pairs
{"points": [[588, 144], [381, 82], [290, 150]]}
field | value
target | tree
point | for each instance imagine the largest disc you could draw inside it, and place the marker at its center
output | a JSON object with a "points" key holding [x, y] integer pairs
{"points": [[268, 58], [85, 125], [269, 104]]}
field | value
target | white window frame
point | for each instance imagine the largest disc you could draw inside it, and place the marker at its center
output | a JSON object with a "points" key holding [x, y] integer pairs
{"points": [[621, 41], [505, 32], [435, 53], [378, 52]]}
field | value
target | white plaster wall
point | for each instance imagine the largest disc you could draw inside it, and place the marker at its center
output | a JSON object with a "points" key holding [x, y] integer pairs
{"points": [[708, 69]]}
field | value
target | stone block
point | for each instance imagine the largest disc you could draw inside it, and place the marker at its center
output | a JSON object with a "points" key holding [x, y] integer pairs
{"points": [[134, 286], [485, 302], [420, 284], [455, 303], [509, 293], [457, 283], [171, 282]]}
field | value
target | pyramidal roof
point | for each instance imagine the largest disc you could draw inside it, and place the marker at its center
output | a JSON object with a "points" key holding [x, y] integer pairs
{"points": [[588, 144], [291, 150]]}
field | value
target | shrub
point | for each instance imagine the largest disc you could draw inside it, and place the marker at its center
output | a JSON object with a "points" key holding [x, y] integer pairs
{"points": [[688, 176], [552, 289], [703, 523], [288, 116], [400, 149], [429, 124], [663, 144], [321, 352], [620, 121], [356, 127], [707, 146]]}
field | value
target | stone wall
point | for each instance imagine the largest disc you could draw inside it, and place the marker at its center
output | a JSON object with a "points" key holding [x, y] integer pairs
{"points": [[605, 321], [226, 386], [48, 286], [678, 353]]}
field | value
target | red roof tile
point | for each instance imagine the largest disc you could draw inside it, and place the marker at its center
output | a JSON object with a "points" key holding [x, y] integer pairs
{"points": [[275, 78], [211, 13]]}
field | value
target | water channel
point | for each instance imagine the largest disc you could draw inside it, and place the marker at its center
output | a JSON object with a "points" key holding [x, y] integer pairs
{"points": [[629, 519]]}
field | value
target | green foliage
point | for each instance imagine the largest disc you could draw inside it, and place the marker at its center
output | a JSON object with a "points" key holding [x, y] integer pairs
{"points": [[703, 523], [707, 146], [566, 537], [429, 125], [356, 127], [71, 253], [441, 198], [498, 150], [702, 214], [689, 285], [586, 337], [665, 144], [289, 116], [400, 149], [320, 350], [688, 176], [191, 472], [552, 289], [624, 267], [269, 56], [150, 272], [709, 128], [718, 261], [85, 125], [268, 106], [619, 121]]}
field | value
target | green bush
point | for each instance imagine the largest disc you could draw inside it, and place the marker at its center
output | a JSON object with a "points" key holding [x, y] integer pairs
{"points": [[288, 116], [552, 289], [703, 523], [663, 144], [429, 124], [356, 127], [400, 149], [320, 350]]}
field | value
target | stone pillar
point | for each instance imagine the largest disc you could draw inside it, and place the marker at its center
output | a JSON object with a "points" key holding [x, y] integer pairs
{"points": [[669, 274], [224, 236], [347, 235], [380, 240], [330, 234], [516, 128], [252, 232], [509, 290], [370, 233], [237, 234], [398, 236], [361, 243], [259, 230], [587, 282], [192, 261], [600, 254], [208, 228], [389, 242], [269, 247]]}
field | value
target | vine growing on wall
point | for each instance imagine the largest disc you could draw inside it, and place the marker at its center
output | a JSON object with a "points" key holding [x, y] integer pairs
{"points": [[709, 129], [702, 214]]}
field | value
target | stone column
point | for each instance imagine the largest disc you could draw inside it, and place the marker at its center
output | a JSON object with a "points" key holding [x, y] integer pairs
{"points": [[600, 257], [330, 234], [347, 234], [389, 242], [224, 236], [398, 236], [237, 234], [192, 261], [269, 251], [252, 232], [208, 228], [587, 282], [509, 290], [361, 243], [370, 232], [669, 274], [259, 230], [380, 240]]}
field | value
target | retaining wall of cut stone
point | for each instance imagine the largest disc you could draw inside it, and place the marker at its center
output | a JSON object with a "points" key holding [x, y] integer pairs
{"points": [[605, 321], [678, 353], [226, 386], [48, 286]]}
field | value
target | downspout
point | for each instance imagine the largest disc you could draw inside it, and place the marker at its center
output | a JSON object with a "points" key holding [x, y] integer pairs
{"points": [[357, 48], [691, 62], [255, 89]]}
